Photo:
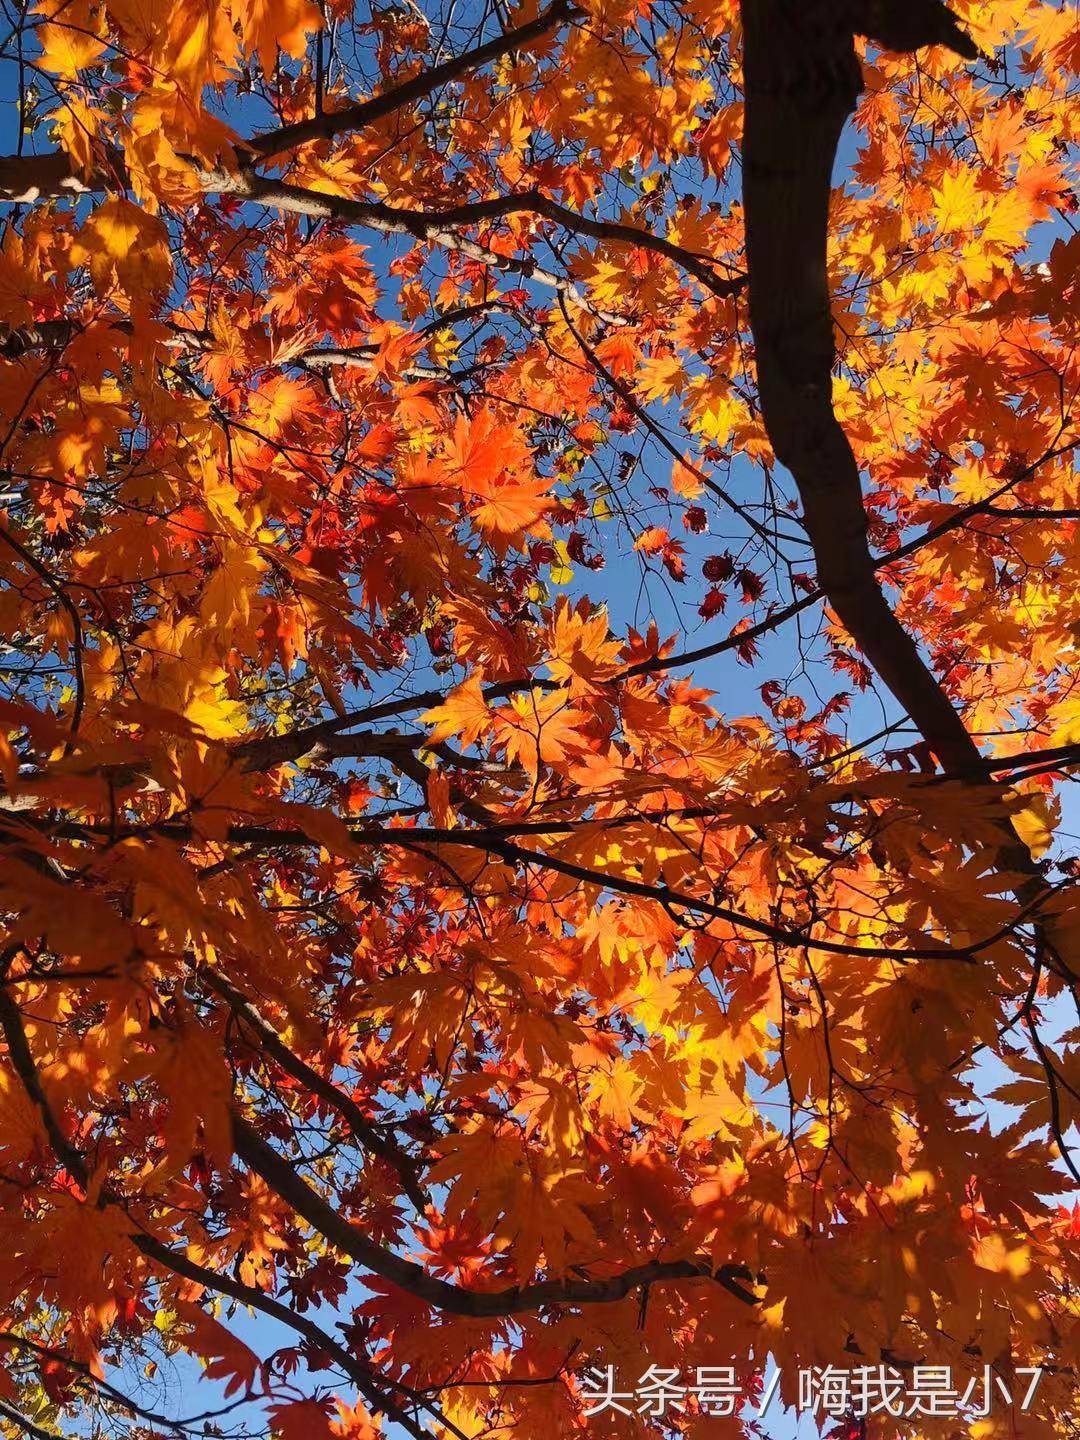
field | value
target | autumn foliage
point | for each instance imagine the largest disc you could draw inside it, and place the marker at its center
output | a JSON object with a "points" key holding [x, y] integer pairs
{"points": [[531, 792]]}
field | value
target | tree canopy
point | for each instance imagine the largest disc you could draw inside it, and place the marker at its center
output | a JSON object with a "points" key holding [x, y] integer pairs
{"points": [[539, 604]]}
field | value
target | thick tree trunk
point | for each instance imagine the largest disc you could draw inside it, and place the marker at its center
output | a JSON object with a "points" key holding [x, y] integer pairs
{"points": [[802, 79]]}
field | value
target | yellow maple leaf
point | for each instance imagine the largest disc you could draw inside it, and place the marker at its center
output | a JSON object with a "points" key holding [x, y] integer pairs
{"points": [[615, 1091], [1035, 823], [464, 712], [67, 49], [957, 203], [268, 25], [715, 411], [189, 1066], [121, 244], [510, 511], [581, 651], [77, 125]]}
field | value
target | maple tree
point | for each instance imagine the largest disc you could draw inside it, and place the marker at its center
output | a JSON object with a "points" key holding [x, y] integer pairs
{"points": [[405, 948]]}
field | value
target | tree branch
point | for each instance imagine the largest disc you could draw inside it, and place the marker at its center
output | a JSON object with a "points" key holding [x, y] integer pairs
{"points": [[176, 1261], [283, 1178], [378, 107], [493, 841], [802, 79], [363, 1130]]}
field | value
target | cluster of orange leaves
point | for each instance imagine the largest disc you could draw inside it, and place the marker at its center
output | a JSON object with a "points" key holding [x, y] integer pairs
{"points": [[615, 975]]}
